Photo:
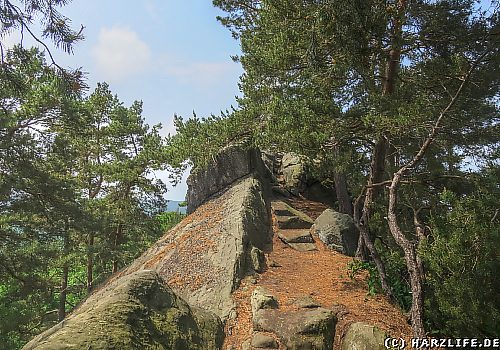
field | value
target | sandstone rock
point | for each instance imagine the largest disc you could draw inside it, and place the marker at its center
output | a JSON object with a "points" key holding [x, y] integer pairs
{"points": [[272, 162], [205, 256], [290, 218], [262, 341], [293, 168], [246, 345], [337, 231], [318, 192], [258, 260], [295, 236], [360, 336], [293, 222], [231, 164], [280, 208], [136, 311], [303, 329], [306, 302], [261, 299], [303, 247], [280, 191]]}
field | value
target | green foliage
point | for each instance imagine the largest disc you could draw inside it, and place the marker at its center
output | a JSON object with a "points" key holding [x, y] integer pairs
{"points": [[76, 199], [55, 26], [356, 266], [463, 264], [397, 275], [197, 141], [167, 220], [19, 16]]}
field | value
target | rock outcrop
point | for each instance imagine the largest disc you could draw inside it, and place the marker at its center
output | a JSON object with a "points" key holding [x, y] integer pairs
{"points": [[261, 300], [337, 231], [262, 341], [361, 336], [306, 328], [175, 295], [231, 164], [291, 175], [294, 170], [293, 226], [204, 258], [178, 294], [134, 312]]}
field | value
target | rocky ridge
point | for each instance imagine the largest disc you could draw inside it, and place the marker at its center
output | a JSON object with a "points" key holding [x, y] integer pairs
{"points": [[258, 263]]}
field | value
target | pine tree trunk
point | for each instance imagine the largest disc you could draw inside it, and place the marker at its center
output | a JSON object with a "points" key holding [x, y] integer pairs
{"points": [[343, 198], [118, 236], [90, 263], [341, 190], [376, 172], [64, 278], [62, 296], [412, 260]]}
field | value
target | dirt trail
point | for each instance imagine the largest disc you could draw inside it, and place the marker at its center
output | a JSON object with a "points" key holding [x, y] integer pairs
{"points": [[321, 274]]}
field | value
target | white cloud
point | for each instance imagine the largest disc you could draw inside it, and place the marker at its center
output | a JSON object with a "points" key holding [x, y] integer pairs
{"points": [[120, 53]]}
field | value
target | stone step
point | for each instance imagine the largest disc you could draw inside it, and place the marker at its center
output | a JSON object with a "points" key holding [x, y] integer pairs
{"points": [[281, 208], [292, 222], [295, 236], [290, 218], [303, 247]]}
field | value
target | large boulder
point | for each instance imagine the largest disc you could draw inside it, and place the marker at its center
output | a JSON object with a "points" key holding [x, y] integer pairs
{"points": [[337, 231], [318, 192], [307, 328], [294, 170], [204, 257], [231, 164], [361, 336], [261, 299], [136, 311], [299, 329], [263, 341]]}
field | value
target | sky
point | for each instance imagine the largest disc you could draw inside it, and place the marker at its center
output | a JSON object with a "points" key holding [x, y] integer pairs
{"points": [[173, 55]]}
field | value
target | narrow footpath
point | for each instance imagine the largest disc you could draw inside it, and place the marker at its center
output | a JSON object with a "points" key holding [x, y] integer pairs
{"points": [[301, 267]]}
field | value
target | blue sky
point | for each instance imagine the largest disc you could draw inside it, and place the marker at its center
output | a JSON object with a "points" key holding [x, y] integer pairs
{"points": [[173, 55]]}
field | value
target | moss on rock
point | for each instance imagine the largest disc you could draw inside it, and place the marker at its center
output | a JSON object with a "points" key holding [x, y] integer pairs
{"points": [[136, 311]]}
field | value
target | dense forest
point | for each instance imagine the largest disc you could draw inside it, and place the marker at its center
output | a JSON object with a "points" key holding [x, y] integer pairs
{"points": [[395, 101]]}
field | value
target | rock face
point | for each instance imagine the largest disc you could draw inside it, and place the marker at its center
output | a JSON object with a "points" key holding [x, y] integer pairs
{"points": [[293, 168], [202, 260], [136, 311], [232, 163], [337, 231], [362, 336], [307, 328], [302, 329], [204, 257], [261, 300], [262, 341], [272, 162], [258, 260], [290, 218]]}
